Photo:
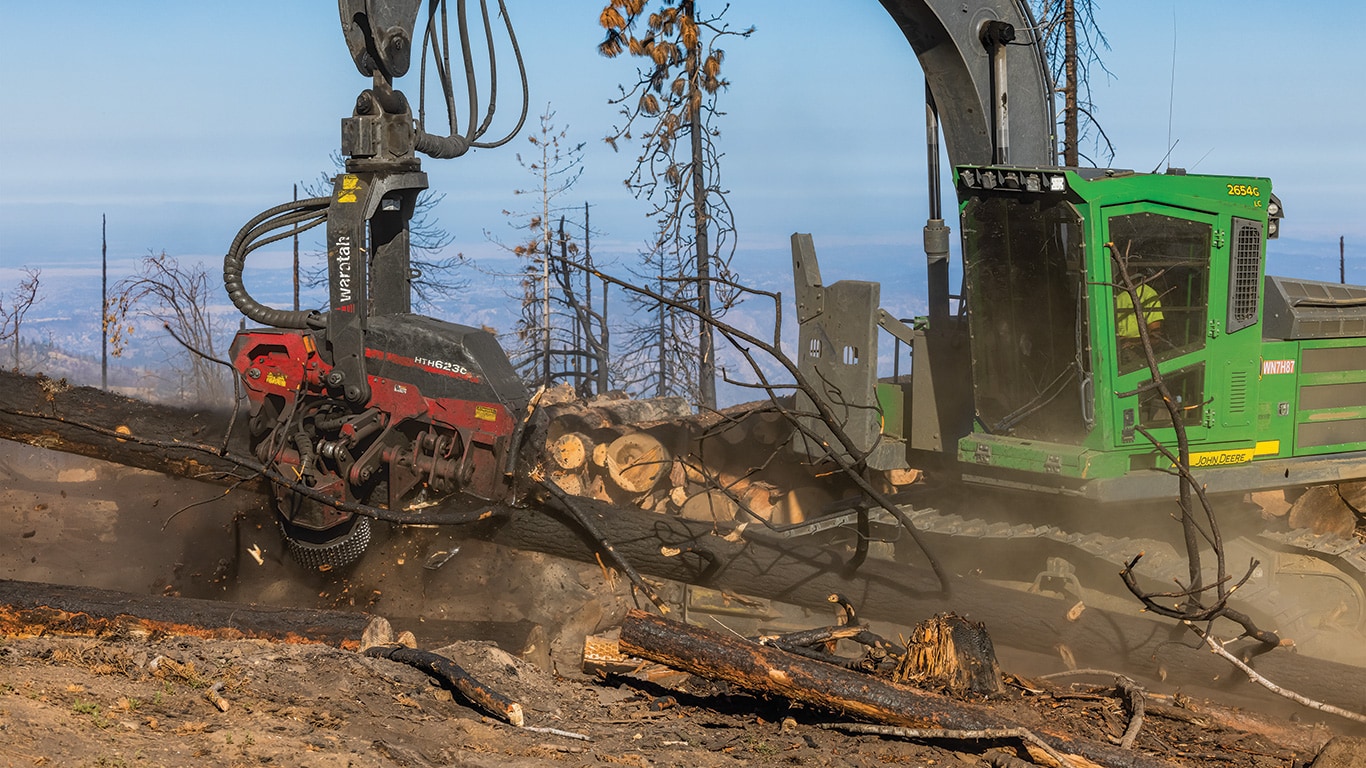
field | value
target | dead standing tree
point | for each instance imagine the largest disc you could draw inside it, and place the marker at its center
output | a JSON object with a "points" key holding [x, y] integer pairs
{"points": [[675, 97], [658, 340], [24, 297], [1072, 42], [558, 327], [178, 297]]}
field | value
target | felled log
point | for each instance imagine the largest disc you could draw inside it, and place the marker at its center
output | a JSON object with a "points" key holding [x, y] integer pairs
{"points": [[1322, 510], [606, 412], [569, 482], [801, 504], [571, 450], [950, 651], [49, 413], [29, 609], [710, 506], [770, 671]]}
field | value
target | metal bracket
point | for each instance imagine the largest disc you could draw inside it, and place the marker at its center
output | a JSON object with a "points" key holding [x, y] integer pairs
{"points": [[982, 455], [1058, 569], [892, 325]]}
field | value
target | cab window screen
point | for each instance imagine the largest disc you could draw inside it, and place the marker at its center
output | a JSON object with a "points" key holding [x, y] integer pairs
{"points": [[1026, 312], [1168, 260]]}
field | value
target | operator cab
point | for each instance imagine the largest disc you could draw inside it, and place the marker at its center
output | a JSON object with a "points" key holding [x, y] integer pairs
{"points": [[1062, 387]]}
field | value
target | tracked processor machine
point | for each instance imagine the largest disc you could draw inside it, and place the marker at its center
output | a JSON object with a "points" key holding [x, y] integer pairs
{"points": [[367, 402], [1032, 408]]}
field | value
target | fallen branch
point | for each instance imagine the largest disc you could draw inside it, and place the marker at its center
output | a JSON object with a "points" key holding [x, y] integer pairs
{"points": [[1218, 647], [931, 734], [556, 732], [807, 637], [489, 701], [1135, 697]]}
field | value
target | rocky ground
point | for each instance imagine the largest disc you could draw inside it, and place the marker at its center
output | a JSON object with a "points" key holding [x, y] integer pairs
{"points": [[167, 700]]}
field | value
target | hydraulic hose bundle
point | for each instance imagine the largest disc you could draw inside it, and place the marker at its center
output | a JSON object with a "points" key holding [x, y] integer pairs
{"points": [[295, 218]]}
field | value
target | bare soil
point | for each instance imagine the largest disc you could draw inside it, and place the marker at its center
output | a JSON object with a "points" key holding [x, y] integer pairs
{"points": [[141, 699]]}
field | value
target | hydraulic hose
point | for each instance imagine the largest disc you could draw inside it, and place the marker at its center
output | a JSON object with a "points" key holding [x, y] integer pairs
{"points": [[459, 142], [441, 147], [298, 217]]}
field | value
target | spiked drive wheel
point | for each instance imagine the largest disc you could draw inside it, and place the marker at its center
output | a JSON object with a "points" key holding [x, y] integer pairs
{"points": [[346, 544]]}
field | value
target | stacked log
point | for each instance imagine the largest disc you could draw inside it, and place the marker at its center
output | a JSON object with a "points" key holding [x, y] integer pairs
{"points": [[656, 455]]}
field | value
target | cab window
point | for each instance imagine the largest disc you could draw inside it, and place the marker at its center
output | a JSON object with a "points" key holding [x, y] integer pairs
{"points": [[1168, 260]]}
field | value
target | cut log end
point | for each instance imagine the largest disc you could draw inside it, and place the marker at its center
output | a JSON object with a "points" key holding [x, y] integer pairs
{"points": [[637, 461], [1322, 510], [571, 451]]}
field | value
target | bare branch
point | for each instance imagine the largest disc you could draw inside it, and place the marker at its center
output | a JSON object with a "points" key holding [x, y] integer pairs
{"points": [[1218, 647]]}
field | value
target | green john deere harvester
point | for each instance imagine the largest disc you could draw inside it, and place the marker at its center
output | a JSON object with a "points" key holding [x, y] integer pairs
{"points": [[1036, 387]]}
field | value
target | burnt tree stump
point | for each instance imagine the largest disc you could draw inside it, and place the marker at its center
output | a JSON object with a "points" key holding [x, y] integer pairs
{"points": [[948, 650]]}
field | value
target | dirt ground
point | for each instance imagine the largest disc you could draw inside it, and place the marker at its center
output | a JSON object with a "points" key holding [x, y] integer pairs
{"points": [[137, 700]]}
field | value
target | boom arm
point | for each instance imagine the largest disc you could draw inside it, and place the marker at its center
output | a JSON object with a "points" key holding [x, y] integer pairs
{"points": [[947, 36]]}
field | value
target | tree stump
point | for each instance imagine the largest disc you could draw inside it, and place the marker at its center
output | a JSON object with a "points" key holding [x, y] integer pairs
{"points": [[950, 651]]}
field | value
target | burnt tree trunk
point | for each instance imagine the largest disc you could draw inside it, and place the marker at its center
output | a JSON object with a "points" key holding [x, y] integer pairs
{"points": [[951, 651], [27, 608], [767, 670]]}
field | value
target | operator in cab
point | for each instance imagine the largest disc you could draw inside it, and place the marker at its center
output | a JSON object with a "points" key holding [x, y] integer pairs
{"points": [[1126, 320]]}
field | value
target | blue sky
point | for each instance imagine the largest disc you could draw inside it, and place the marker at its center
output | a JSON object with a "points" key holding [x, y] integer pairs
{"points": [[182, 120]]}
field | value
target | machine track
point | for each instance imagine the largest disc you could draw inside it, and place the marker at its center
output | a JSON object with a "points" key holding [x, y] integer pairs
{"points": [[1309, 588]]}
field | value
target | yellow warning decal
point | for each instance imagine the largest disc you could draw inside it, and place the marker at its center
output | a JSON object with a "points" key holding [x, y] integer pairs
{"points": [[349, 186], [1267, 448], [277, 378], [485, 413], [1221, 458]]}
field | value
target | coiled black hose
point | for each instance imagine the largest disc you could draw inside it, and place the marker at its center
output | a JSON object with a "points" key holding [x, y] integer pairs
{"points": [[298, 217]]}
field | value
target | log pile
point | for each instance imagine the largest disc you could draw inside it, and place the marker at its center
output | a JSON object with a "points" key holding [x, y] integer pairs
{"points": [[657, 455]]}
